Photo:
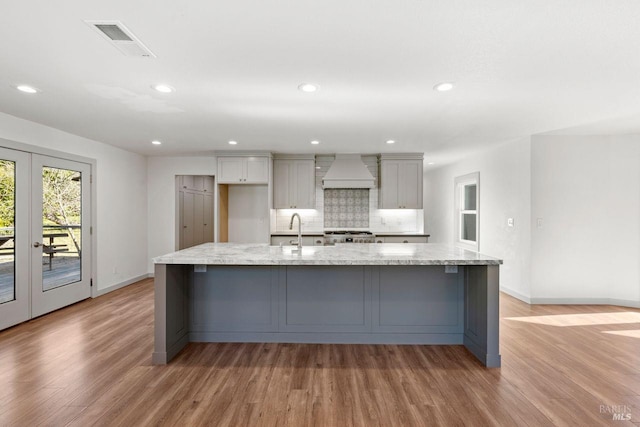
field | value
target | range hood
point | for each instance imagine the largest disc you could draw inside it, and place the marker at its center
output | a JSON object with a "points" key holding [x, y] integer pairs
{"points": [[348, 171]]}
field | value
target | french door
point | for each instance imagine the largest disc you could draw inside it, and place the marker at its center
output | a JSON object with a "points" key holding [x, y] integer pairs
{"points": [[45, 242], [15, 300], [61, 241]]}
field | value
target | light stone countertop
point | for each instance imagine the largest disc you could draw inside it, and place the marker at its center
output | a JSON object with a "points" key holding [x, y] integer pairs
{"points": [[340, 254]]}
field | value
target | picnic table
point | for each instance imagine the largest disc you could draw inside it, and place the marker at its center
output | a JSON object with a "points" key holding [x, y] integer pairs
{"points": [[49, 248], [52, 248]]}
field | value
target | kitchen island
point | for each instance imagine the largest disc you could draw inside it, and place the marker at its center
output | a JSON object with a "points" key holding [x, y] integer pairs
{"points": [[347, 293]]}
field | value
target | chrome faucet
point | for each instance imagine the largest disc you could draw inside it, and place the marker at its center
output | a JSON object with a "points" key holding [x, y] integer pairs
{"points": [[299, 229]]}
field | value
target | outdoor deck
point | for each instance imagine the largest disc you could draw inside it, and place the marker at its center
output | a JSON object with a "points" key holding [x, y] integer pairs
{"points": [[64, 270]]}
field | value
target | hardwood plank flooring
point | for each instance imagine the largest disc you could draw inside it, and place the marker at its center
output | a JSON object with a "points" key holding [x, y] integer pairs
{"points": [[90, 364]]}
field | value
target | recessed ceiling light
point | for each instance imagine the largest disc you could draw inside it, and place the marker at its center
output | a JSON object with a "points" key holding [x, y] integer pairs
{"points": [[163, 88], [443, 87], [27, 89], [314, 142], [156, 142], [431, 163], [233, 142], [391, 141], [317, 167], [308, 87]]}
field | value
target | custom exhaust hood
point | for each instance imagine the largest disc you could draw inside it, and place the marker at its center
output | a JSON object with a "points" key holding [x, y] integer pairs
{"points": [[348, 171]]}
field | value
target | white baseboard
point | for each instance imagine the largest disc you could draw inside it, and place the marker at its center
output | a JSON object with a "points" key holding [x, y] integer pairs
{"points": [[571, 301], [100, 292], [516, 294], [586, 301]]}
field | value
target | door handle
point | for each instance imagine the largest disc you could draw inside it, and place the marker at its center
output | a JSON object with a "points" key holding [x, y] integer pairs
{"points": [[37, 244]]}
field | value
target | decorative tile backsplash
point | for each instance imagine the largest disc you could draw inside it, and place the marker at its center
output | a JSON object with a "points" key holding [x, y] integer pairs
{"points": [[346, 208]]}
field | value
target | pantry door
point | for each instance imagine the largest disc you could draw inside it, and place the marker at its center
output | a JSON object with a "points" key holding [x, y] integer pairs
{"points": [[14, 237], [60, 233]]}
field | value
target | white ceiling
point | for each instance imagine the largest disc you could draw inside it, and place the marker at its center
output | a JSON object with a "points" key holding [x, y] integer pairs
{"points": [[520, 68]]}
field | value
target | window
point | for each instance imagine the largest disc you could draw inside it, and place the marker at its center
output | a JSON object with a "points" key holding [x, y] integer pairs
{"points": [[467, 211]]}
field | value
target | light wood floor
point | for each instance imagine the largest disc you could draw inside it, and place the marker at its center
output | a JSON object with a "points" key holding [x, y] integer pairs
{"points": [[89, 364]]}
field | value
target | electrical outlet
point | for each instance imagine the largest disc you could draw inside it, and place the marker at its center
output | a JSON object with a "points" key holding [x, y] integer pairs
{"points": [[450, 268], [539, 222], [510, 222], [200, 268]]}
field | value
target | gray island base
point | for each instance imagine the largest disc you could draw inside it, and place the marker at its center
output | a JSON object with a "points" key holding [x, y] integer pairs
{"points": [[351, 293]]}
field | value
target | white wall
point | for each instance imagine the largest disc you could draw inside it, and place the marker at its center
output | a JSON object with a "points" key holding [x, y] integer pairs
{"points": [[121, 184], [161, 175], [249, 213], [504, 193], [586, 190]]}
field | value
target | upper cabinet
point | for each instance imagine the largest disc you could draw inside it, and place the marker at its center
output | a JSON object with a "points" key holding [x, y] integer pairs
{"points": [[243, 170], [400, 181], [294, 182]]}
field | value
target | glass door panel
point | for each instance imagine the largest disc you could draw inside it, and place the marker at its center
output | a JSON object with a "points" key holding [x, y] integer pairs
{"points": [[61, 227], [14, 229], [7, 231]]}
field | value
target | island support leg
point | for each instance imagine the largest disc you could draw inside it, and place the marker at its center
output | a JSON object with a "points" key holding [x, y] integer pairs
{"points": [[171, 309], [482, 313]]}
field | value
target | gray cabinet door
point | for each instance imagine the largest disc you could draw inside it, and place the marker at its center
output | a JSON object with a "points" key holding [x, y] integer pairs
{"points": [[410, 184], [208, 218], [304, 184], [187, 233], [415, 299], [228, 299], [294, 185], [389, 184], [400, 184], [325, 299], [282, 177]]}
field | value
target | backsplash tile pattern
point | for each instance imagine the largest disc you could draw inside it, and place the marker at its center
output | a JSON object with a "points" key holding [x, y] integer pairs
{"points": [[346, 208], [379, 220]]}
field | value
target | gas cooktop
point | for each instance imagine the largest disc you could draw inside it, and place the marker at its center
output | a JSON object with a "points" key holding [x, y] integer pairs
{"points": [[348, 236], [351, 232]]}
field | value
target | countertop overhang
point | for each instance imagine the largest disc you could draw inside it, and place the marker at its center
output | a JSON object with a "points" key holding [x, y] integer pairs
{"points": [[340, 254]]}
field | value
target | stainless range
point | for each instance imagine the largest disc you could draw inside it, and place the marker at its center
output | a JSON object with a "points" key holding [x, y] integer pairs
{"points": [[333, 237]]}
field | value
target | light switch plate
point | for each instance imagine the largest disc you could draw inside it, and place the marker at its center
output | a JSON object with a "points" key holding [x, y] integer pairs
{"points": [[510, 222], [450, 268], [200, 268]]}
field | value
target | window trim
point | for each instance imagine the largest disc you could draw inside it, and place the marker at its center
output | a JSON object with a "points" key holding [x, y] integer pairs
{"points": [[459, 183]]}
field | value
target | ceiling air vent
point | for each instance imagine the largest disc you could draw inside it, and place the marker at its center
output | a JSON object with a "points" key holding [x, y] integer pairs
{"points": [[122, 38]]}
